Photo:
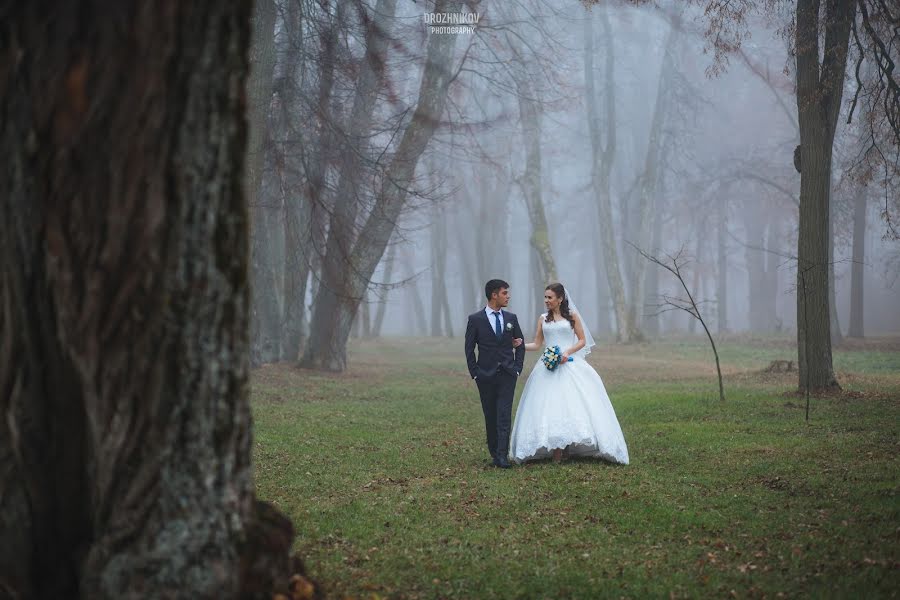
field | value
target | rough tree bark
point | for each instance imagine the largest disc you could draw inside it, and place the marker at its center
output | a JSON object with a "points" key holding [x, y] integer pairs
{"points": [[857, 271], [819, 92], [344, 282], [603, 158], [125, 442]]}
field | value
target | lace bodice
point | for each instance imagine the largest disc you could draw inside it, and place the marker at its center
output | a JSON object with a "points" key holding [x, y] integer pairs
{"points": [[559, 333]]}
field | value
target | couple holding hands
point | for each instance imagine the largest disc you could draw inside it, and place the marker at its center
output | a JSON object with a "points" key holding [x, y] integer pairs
{"points": [[564, 408]]}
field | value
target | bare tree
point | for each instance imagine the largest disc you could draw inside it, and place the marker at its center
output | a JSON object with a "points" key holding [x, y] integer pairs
{"points": [[674, 265], [126, 442], [345, 277], [603, 157]]}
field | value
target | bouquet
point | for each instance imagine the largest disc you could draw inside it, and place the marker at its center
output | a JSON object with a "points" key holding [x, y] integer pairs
{"points": [[551, 357]]}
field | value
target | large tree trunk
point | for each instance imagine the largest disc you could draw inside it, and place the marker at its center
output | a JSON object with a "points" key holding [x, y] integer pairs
{"points": [[857, 269], [125, 443], [344, 281], [259, 91], [265, 316], [335, 288], [602, 162], [819, 93]]}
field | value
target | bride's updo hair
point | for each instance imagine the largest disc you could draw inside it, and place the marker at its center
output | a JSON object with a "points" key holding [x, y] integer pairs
{"points": [[560, 291]]}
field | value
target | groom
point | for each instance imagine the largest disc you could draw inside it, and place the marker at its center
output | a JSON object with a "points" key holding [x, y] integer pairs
{"points": [[497, 366]]}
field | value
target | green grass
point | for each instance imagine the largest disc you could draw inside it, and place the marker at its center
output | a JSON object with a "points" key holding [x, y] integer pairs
{"points": [[383, 471]]}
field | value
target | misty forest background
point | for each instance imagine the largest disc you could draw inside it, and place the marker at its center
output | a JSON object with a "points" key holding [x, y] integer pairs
{"points": [[566, 138], [240, 241], [392, 172]]}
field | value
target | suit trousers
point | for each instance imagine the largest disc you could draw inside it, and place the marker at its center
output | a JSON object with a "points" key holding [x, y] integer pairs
{"points": [[497, 394]]}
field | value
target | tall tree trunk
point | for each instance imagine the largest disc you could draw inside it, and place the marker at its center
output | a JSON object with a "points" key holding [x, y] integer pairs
{"points": [[296, 276], [857, 268], [442, 283], [366, 317], [649, 179], [603, 158], [819, 93], [259, 91], [388, 275], [756, 269], [697, 281], [265, 318], [493, 213], [438, 261], [836, 336], [343, 281], [722, 270], [266, 315], [651, 323], [297, 219], [469, 288], [335, 288], [126, 438], [420, 324], [770, 288], [532, 186]]}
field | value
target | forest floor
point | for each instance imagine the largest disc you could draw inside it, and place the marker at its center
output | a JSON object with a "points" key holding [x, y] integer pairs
{"points": [[384, 472]]}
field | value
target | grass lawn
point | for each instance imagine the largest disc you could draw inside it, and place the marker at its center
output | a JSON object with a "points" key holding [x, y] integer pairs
{"points": [[384, 472]]}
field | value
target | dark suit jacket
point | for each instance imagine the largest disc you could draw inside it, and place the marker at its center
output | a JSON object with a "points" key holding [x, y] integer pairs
{"points": [[493, 353]]}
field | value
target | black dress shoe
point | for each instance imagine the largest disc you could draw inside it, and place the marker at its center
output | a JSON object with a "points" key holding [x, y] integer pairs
{"points": [[502, 463]]}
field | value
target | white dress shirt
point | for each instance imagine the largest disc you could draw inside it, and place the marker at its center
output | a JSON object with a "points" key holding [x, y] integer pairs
{"points": [[490, 316]]}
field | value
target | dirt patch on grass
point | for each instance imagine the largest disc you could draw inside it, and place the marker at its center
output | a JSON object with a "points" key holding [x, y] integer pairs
{"points": [[631, 368]]}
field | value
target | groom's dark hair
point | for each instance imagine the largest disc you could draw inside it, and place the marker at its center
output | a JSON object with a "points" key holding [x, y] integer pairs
{"points": [[494, 285]]}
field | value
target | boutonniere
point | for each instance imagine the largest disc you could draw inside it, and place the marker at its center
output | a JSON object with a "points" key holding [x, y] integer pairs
{"points": [[509, 326]]}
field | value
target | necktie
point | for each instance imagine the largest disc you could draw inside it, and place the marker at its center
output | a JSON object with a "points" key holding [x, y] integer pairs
{"points": [[497, 329]]}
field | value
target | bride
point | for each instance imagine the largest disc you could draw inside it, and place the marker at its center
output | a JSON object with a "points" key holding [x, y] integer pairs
{"points": [[566, 408]]}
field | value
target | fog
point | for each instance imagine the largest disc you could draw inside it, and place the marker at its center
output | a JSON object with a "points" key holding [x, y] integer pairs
{"points": [[697, 153]]}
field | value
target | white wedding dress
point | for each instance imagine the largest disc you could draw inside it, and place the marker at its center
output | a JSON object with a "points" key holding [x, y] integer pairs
{"points": [[566, 408]]}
